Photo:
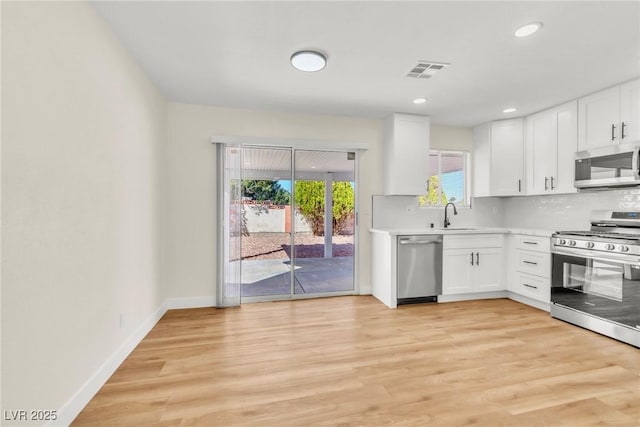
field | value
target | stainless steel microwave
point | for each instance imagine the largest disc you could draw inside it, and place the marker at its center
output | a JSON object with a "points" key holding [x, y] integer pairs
{"points": [[610, 166]]}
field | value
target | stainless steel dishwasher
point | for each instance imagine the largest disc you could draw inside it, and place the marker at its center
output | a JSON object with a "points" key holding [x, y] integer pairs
{"points": [[419, 268]]}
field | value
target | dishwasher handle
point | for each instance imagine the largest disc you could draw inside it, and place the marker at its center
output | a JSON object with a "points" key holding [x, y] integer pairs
{"points": [[419, 242]]}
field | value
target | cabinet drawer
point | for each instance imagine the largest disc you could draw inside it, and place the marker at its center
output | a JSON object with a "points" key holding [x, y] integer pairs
{"points": [[538, 288], [473, 241], [537, 263], [533, 243]]}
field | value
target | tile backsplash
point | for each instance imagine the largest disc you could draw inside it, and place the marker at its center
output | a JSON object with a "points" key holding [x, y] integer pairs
{"points": [[567, 211], [403, 212], [553, 212]]}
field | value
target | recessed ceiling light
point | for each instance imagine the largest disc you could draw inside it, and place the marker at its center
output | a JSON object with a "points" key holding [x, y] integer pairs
{"points": [[509, 110], [527, 30], [420, 100], [308, 60]]}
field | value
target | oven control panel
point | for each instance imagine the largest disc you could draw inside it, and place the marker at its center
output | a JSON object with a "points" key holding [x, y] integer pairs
{"points": [[596, 245]]}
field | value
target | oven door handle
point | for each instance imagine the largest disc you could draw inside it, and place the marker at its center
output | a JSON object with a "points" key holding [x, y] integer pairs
{"points": [[634, 164], [621, 259]]}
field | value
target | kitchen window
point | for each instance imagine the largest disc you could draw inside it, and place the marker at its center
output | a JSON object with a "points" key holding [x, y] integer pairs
{"points": [[449, 180]]}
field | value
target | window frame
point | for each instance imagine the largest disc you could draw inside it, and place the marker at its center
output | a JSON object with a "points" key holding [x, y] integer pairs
{"points": [[466, 190]]}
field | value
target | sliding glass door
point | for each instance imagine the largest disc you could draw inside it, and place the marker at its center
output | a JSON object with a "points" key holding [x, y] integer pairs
{"points": [[324, 193], [267, 227], [294, 220]]}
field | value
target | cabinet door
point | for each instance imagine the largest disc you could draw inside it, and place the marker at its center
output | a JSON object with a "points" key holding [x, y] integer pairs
{"points": [[507, 157], [406, 154], [598, 119], [486, 273], [630, 111], [566, 118], [541, 152], [481, 160], [536, 263], [456, 264], [535, 287]]}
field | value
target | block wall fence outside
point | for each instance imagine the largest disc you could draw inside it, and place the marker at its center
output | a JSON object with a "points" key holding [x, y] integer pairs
{"points": [[273, 219]]}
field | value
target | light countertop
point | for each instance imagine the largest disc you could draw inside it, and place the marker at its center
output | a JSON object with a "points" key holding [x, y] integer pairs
{"points": [[462, 230]]}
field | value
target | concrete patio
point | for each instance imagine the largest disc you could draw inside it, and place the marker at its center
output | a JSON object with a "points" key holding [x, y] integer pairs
{"points": [[312, 276]]}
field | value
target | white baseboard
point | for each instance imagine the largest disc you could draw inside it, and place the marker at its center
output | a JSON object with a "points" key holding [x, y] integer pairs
{"points": [[529, 301], [497, 294], [190, 302], [79, 400], [472, 296]]}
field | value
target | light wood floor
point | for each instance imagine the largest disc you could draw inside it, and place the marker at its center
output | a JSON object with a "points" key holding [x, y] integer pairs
{"points": [[351, 361]]}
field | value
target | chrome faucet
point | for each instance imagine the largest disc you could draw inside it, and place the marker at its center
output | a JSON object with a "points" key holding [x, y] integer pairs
{"points": [[446, 219]]}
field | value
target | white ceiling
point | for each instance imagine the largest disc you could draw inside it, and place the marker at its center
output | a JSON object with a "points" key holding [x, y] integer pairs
{"points": [[236, 54]]}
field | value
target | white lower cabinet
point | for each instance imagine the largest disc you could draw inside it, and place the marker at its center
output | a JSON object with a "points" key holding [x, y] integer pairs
{"points": [[530, 267], [531, 286], [472, 263]]}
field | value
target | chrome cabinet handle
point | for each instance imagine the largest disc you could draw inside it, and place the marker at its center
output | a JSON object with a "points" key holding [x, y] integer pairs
{"points": [[622, 134], [519, 186], [613, 132], [552, 186], [530, 262], [530, 286], [546, 183], [477, 258], [529, 243], [471, 258]]}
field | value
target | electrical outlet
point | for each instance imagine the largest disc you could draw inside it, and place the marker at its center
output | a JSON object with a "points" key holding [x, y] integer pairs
{"points": [[411, 210]]}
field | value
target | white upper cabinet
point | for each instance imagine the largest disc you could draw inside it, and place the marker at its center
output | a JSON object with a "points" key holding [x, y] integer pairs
{"points": [[630, 111], [481, 160], [406, 154], [507, 157], [550, 146], [498, 158], [610, 116], [567, 138], [540, 152], [511, 157], [598, 116]]}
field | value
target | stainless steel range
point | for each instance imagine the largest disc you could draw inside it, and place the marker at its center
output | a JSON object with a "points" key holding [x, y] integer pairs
{"points": [[595, 279]]}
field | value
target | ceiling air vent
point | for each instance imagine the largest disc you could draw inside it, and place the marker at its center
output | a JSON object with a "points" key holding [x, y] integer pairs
{"points": [[426, 69]]}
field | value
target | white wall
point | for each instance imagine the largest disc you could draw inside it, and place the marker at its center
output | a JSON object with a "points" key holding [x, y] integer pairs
{"points": [[82, 139], [190, 258], [451, 138]]}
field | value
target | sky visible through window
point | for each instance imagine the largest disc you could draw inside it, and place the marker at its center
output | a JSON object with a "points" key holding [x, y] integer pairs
{"points": [[453, 185], [286, 184]]}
